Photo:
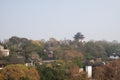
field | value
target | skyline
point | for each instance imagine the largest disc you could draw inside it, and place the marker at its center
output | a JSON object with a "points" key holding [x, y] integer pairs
{"points": [[96, 20]]}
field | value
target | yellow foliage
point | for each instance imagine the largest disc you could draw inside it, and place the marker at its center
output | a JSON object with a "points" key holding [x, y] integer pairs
{"points": [[18, 72], [36, 42]]}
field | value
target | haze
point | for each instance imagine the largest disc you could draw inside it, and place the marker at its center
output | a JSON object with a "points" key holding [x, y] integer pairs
{"points": [[43, 19]]}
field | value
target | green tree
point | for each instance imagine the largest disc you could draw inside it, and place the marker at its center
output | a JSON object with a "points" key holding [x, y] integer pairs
{"points": [[46, 72], [55, 71], [94, 49]]}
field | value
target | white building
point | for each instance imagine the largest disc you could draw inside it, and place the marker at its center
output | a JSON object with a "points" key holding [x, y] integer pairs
{"points": [[4, 52], [88, 69], [28, 64], [114, 56], [81, 70]]}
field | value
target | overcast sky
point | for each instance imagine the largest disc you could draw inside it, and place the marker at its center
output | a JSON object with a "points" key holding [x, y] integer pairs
{"points": [[43, 19]]}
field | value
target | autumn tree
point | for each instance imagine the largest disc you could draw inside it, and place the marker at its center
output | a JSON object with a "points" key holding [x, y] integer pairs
{"points": [[109, 71], [99, 73], [72, 55], [19, 72], [113, 70], [32, 74], [2, 77], [52, 42], [74, 73]]}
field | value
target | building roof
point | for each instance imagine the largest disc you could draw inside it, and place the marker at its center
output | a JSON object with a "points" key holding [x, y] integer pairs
{"points": [[115, 54], [28, 61], [87, 63]]}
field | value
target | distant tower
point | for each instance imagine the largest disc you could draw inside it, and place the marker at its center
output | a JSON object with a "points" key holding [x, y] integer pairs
{"points": [[78, 37]]}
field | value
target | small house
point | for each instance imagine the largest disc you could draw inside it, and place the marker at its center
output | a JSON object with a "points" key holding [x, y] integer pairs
{"points": [[4, 52], [29, 62], [114, 56]]}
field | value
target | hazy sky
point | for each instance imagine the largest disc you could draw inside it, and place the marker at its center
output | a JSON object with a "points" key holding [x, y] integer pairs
{"points": [[38, 19]]}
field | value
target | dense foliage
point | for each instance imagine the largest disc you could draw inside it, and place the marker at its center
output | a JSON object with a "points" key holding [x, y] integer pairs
{"points": [[19, 72], [69, 56], [59, 70], [88, 50], [109, 71]]}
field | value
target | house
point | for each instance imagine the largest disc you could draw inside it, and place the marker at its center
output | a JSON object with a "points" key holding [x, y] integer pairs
{"points": [[3, 63], [98, 59], [48, 61], [50, 54], [114, 56], [15, 59], [4, 52], [88, 66], [29, 62]]}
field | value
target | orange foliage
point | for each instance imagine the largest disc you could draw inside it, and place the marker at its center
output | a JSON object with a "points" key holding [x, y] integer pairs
{"points": [[36, 42], [70, 54], [109, 71], [19, 72], [33, 74]]}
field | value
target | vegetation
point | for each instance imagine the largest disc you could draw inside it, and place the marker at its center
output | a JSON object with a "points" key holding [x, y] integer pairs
{"points": [[69, 56], [88, 50], [59, 70], [109, 71], [19, 72]]}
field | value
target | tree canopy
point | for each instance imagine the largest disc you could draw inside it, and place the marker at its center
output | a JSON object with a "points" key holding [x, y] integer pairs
{"points": [[19, 72]]}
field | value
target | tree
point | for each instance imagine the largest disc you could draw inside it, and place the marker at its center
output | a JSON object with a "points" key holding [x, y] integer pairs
{"points": [[14, 72], [46, 72], [74, 73], [70, 55], [2, 77], [77, 61], [99, 73], [55, 71], [112, 70], [32, 74], [52, 42], [94, 49], [19, 72], [109, 71], [59, 67]]}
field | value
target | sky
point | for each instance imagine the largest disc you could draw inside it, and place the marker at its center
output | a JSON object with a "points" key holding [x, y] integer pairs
{"points": [[60, 19]]}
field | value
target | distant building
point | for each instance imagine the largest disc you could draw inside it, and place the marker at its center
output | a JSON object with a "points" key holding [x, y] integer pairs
{"points": [[15, 59], [29, 62], [114, 56], [98, 59], [90, 64], [48, 61], [3, 63], [50, 54], [88, 69], [81, 70], [4, 52]]}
